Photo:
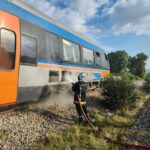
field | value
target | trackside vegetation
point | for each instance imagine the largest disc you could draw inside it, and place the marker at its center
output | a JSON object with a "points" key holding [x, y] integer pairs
{"points": [[121, 61], [114, 108], [115, 123], [118, 93], [147, 83]]}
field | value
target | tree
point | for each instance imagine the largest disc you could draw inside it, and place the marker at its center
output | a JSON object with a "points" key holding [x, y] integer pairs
{"points": [[118, 61], [137, 64]]}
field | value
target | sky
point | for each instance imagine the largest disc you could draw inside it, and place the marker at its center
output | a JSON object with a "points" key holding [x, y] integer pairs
{"points": [[113, 24]]}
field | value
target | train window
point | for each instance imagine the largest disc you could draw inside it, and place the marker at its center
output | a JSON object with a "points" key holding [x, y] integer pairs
{"points": [[71, 51], [66, 75], [106, 57], [53, 76], [107, 61], [88, 56], [28, 49], [52, 46], [7, 49], [103, 60], [97, 59]]}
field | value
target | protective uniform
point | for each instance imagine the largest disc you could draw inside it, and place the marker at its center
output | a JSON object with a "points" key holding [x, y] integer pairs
{"points": [[80, 89]]}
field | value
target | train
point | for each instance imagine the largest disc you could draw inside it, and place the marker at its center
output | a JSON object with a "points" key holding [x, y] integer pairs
{"points": [[39, 55]]}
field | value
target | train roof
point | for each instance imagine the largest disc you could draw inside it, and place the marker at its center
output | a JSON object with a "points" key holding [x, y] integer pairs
{"points": [[36, 17]]}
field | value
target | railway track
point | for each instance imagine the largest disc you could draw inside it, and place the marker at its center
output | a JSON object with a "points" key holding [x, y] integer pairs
{"points": [[7, 109], [108, 139], [144, 120], [15, 107], [20, 107]]}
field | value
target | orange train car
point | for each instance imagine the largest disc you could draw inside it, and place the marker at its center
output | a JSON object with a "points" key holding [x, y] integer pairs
{"points": [[38, 53]]}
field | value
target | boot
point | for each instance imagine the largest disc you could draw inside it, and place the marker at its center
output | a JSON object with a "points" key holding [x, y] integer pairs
{"points": [[80, 120]]}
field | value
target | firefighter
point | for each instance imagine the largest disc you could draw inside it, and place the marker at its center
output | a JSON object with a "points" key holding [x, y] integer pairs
{"points": [[80, 90]]}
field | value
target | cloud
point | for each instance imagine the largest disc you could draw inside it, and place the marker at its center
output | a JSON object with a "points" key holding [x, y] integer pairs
{"points": [[74, 13], [108, 49], [129, 16], [42, 5], [120, 17], [99, 18]]}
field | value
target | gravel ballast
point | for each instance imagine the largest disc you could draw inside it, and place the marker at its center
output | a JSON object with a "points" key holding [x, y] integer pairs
{"points": [[143, 124], [27, 127], [21, 129]]}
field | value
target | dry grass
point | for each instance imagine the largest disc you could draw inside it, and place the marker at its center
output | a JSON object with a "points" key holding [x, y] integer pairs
{"points": [[116, 125], [77, 137]]}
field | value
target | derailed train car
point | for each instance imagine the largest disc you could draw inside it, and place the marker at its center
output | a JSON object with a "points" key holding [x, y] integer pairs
{"points": [[37, 53]]}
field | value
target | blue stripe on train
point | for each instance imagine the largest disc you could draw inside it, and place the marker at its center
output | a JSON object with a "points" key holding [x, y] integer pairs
{"points": [[96, 76], [70, 65], [23, 14]]}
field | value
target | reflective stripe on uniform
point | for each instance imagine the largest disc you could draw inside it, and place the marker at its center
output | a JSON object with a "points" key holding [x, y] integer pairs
{"points": [[81, 102], [80, 91]]}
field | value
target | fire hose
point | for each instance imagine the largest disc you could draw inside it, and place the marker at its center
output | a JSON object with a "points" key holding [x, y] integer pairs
{"points": [[127, 145]]}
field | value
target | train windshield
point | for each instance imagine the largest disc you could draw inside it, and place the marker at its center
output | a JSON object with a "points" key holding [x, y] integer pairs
{"points": [[7, 49]]}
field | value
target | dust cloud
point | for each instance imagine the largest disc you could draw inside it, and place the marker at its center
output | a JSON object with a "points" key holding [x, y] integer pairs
{"points": [[61, 99], [63, 96], [71, 78]]}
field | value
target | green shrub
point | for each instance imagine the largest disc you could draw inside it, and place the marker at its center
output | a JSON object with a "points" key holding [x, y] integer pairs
{"points": [[147, 77], [129, 76], [147, 83], [118, 93]]}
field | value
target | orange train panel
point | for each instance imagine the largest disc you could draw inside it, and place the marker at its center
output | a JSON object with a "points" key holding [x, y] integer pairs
{"points": [[9, 78], [105, 73]]}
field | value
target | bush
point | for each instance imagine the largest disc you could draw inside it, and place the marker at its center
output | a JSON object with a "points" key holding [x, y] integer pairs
{"points": [[147, 77], [118, 93], [147, 83], [129, 76]]}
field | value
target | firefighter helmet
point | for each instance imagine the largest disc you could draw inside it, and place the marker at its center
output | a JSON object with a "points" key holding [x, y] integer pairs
{"points": [[82, 77]]}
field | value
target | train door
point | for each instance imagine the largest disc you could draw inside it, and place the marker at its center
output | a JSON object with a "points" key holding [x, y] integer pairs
{"points": [[9, 57]]}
